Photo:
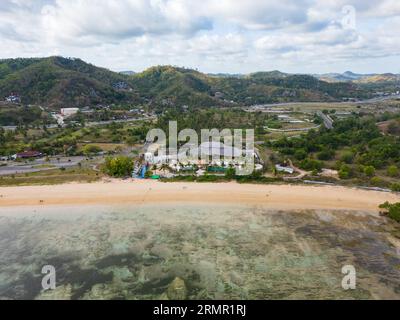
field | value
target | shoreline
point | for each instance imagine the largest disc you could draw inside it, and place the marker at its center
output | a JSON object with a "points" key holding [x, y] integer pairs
{"points": [[138, 192]]}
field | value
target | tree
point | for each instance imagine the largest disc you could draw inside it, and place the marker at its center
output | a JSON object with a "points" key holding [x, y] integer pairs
{"points": [[369, 171], [345, 172], [119, 167], [311, 164], [393, 171], [348, 157], [89, 150], [326, 154], [300, 154]]}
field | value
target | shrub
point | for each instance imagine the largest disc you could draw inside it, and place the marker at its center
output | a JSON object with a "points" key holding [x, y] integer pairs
{"points": [[347, 157], [230, 173], [369, 171], [148, 174], [395, 187], [311, 164], [300, 154], [393, 210], [89, 150], [393, 171], [325, 155], [377, 182], [345, 172], [119, 167]]}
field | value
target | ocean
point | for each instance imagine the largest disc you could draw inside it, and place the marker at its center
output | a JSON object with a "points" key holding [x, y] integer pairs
{"points": [[211, 251]]}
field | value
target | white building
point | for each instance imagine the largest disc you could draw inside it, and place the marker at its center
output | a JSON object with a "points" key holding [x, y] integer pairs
{"points": [[67, 112], [205, 154], [281, 168]]}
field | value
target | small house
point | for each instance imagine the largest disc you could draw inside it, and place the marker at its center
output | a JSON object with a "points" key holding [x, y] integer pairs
{"points": [[285, 169]]}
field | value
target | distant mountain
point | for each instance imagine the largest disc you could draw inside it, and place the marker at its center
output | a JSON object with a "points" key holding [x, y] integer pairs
{"points": [[358, 78], [269, 75], [379, 78], [226, 75], [64, 82]]}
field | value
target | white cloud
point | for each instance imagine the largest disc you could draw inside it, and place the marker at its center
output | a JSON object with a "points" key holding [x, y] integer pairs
{"points": [[224, 35]]}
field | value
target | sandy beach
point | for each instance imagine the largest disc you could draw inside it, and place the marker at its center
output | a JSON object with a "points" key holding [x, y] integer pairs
{"points": [[153, 192]]}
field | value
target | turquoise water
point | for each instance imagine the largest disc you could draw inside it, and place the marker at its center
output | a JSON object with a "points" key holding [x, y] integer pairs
{"points": [[217, 252]]}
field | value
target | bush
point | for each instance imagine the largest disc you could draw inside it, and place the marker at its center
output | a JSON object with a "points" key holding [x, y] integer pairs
{"points": [[395, 187], [89, 150], [230, 173], [148, 174], [311, 165], [348, 157], [119, 167], [325, 155], [377, 182], [345, 172], [393, 210], [300, 154], [393, 171], [369, 171]]}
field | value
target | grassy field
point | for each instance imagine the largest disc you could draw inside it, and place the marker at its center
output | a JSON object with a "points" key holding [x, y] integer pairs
{"points": [[52, 177]]}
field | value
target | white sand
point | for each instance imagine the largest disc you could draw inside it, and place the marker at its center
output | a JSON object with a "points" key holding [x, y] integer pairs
{"points": [[119, 192]]}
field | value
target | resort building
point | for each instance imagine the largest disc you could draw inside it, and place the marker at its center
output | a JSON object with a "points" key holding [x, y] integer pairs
{"points": [[68, 112], [208, 153], [212, 157]]}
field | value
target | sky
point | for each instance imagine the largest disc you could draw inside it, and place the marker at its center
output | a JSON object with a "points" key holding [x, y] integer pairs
{"points": [[213, 36]]}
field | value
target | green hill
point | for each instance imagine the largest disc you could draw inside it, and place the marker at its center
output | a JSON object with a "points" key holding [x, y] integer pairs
{"points": [[169, 85], [60, 82], [184, 86], [64, 82]]}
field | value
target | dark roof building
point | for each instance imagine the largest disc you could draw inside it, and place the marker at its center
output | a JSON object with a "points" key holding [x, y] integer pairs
{"points": [[29, 154]]}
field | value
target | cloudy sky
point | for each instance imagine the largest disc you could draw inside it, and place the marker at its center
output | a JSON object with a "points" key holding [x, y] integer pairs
{"points": [[235, 36]]}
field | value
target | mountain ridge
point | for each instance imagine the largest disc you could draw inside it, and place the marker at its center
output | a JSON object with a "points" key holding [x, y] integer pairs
{"points": [[70, 82]]}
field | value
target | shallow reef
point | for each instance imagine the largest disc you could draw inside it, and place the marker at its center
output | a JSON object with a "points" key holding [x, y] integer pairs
{"points": [[196, 252]]}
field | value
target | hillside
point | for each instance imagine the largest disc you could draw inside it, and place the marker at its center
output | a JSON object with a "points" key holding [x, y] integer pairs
{"points": [[63, 82], [60, 82], [170, 85], [362, 79]]}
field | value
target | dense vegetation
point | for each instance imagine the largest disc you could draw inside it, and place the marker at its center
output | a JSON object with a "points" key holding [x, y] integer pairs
{"points": [[213, 118], [393, 210], [169, 85], [355, 147], [119, 166], [60, 82], [20, 116]]}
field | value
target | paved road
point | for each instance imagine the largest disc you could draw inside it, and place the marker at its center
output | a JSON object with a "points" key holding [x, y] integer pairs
{"points": [[288, 104], [93, 124], [328, 122], [17, 168]]}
